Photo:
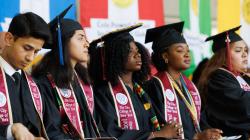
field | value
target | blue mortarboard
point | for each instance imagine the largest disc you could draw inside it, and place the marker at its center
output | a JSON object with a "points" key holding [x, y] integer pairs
{"points": [[61, 27]]}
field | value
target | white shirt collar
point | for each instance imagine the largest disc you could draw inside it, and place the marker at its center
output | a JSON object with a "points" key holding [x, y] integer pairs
{"points": [[7, 67]]}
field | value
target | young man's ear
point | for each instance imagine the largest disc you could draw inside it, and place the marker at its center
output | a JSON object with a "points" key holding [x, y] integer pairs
{"points": [[8, 39]]}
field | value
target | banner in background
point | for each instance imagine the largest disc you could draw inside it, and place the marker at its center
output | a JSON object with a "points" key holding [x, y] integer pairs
{"points": [[102, 16], [47, 9], [232, 13], [197, 17]]}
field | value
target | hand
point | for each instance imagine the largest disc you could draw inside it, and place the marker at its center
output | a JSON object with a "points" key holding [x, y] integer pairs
{"points": [[209, 134], [39, 138], [20, 132], [171, 130]]}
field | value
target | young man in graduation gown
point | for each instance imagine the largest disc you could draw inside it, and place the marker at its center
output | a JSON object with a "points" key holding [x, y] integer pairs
{"points": [[225, 86], [173, 94], [23, 112]]}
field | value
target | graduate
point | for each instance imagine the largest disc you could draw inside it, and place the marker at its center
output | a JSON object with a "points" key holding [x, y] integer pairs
{"points": [[123, 106], [59, 78], [225, 86], [24, 113], [173, 94]]}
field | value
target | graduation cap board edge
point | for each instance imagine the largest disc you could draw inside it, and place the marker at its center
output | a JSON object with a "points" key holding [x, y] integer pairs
{"points": [[116, 32], [100, 48], [153, 34], [56, 22], [164, 36], [222, 40], [223, 33]]}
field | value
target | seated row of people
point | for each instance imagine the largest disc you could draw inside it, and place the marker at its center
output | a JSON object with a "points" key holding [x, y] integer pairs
{"points": [[119, 99]]}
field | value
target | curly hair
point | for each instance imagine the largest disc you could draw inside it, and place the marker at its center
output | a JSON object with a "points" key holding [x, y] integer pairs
{"points": [[145, 71], [116, 56], [96, 64]]}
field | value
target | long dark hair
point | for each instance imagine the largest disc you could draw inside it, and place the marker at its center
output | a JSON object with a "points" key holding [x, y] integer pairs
{"points": [[197, 72], [116, 56], [218, 60], [145, 71], [96, 64], [50, 64]]}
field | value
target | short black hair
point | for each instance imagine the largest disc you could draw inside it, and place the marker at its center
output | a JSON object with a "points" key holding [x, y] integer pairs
{"points": [[158, 60], [30, 25]]}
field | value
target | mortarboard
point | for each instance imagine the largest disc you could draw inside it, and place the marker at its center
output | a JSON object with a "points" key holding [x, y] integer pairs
{"points": [[164, 36], [219, 40], [222, 40], [108, 38], [60, 28]]}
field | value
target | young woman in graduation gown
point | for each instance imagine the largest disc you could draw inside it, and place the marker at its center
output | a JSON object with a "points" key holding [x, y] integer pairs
{"points": [[173, 94], [225, 87], [60, 77], [122, 104]]}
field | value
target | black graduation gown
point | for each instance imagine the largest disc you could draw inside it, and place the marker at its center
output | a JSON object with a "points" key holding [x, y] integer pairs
{"points": [[154, 90], [228, 106], [23, 111], [247, 79], [85, 115], [105, 110]]}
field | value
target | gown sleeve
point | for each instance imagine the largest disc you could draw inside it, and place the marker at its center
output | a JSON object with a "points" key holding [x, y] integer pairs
{"points": [[153, 89], [3, 131], [228, 105]]}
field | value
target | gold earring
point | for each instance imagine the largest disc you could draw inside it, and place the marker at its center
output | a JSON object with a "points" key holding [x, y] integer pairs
{"points": [[166, 61]]}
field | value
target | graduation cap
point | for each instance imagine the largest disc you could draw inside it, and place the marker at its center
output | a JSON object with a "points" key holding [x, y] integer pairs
{"points": [[166, 35], [222, 40], [111, 36], [99, 51], [60, 28]]}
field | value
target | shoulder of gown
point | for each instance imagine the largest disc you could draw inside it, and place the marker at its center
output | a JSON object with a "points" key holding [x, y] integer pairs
{"points": [[227, 103], [105, 111], [51, 115]]}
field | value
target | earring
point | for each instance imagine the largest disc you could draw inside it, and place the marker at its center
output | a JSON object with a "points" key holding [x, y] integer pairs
{"points": [[166, 61]]}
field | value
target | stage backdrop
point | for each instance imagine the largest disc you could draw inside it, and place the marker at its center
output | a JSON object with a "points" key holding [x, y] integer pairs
{"points": [[197, 17], [47, 9], [102, 16], [232, 13]]}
